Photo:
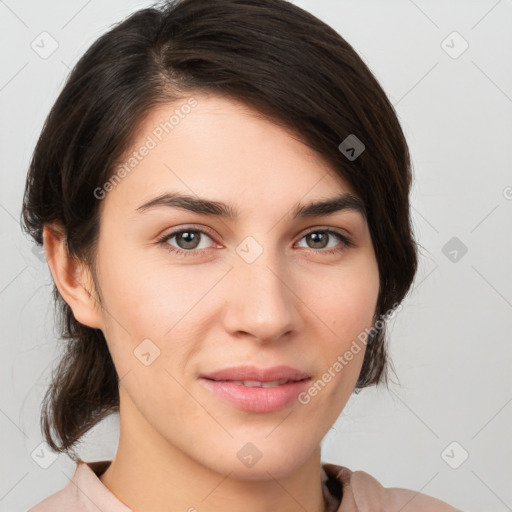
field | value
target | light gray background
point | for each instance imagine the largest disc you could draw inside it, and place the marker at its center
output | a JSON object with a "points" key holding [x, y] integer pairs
{"points": [[451, 343]]}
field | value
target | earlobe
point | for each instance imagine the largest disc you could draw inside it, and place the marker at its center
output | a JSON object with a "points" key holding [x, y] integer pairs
{"points": [[72, 278]]}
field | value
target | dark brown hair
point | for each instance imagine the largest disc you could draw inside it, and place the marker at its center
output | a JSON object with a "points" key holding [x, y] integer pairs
{"points": [[268, 54]]}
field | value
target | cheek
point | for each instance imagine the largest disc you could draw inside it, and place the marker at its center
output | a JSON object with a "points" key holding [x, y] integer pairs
{"points": [[146, 299], [344, 304], [344, 299]]}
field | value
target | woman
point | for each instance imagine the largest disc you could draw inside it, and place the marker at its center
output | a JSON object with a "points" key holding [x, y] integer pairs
{"points": [[222, 191]]}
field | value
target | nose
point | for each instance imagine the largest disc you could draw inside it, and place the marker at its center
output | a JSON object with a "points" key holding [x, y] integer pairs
{"points": [[261, 302]]}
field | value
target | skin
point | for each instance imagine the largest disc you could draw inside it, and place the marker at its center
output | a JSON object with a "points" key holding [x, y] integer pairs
{"points": [[293, 305]]}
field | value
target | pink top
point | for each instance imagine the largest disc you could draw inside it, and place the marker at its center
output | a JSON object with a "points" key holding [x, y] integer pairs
{"points": [[344, 491]]}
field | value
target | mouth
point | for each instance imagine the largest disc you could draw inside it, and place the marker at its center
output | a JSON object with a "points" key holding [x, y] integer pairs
{"points": [[253, 376], [257, 390], [259, 384]]}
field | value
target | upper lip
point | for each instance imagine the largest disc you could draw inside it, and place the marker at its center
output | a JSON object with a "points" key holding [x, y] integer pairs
{"points": [[241, 373]]}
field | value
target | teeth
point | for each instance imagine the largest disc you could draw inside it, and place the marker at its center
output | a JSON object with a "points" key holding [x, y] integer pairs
{"points": [[273, 383], [257, 384]]}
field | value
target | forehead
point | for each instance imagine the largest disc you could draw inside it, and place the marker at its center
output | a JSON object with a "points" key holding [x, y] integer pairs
{"points": [[215, 147]]}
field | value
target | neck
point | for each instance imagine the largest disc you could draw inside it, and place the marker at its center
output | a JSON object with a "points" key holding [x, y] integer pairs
{"points": [[148, 474]]}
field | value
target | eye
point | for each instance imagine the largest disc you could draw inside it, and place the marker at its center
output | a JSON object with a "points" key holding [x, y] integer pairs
{"points": [[320, 238], [188, 241]]}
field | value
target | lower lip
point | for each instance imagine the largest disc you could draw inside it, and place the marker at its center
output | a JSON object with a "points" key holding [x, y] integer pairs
{"points": [[257, 399]]}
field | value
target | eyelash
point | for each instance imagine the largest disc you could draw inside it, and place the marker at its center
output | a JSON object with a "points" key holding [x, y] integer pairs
{"points": [[346, 242]]}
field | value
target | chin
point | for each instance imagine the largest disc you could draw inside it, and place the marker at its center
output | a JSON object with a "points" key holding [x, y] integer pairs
{"points": [[262, 460]]}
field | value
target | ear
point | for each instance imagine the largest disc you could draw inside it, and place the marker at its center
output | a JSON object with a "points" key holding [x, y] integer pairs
{"points": [[72, 278]]}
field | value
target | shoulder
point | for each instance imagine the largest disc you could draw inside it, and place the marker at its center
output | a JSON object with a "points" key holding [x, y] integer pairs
{"points": [[363, 493], [83, 493], [62, 500]]}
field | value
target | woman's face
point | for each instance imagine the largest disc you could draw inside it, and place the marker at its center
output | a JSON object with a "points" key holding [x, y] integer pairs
{"points": [[261, 287]]}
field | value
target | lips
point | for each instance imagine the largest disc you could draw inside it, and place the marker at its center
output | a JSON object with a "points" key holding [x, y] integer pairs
{"points": [[252, 376], [259, 384], [260, 390]]}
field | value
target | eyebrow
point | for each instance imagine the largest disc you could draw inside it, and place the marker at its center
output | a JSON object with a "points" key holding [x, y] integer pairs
{"points": [[345, 201]]}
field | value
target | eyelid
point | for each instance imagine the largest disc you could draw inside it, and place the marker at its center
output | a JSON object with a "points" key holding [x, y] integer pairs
{"points": [[189, 227], [339, 231]]}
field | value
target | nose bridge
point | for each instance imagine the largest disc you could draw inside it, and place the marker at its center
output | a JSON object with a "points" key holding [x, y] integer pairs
{"points": [[262, 303]]}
